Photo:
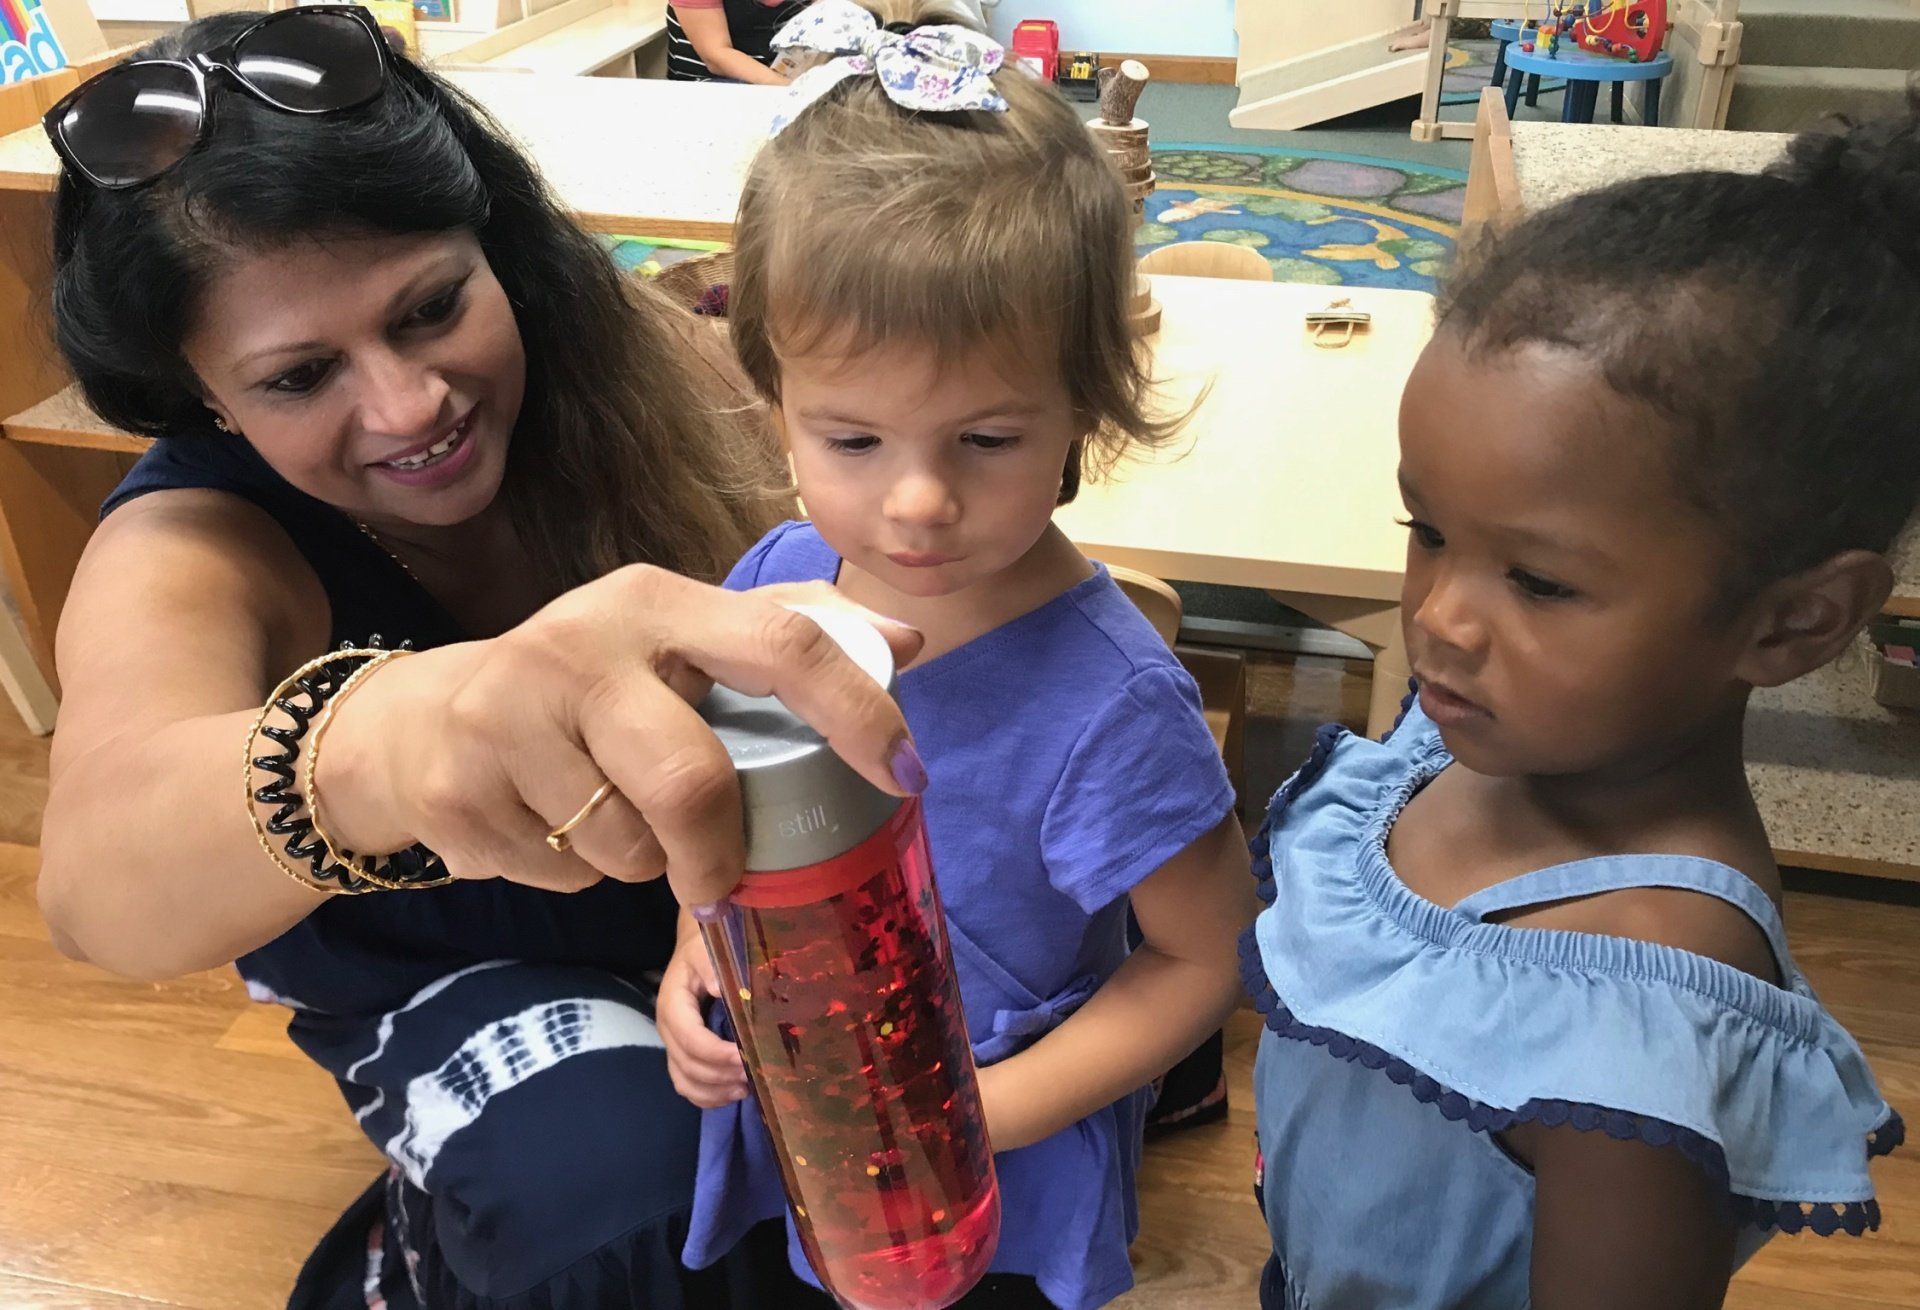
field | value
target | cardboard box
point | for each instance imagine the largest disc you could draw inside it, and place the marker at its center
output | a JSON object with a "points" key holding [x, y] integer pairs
{"points": [[1893, 669]]}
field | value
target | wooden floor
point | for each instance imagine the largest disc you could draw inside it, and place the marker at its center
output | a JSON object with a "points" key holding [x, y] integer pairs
{"points": [[164, 1144]]}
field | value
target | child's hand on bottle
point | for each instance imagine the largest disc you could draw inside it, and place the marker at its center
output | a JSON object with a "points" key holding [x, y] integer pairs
{"points": [[706, 1068]]}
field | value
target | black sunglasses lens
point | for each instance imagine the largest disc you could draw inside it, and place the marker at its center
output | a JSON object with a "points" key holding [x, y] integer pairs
{"points": [[312, 62], [135, 124]]}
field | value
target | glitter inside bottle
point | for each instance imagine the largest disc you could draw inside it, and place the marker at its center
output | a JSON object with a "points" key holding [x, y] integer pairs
{"points": [[838, 978]]}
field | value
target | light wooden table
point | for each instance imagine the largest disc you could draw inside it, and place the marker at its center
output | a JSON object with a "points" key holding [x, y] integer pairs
{"points": [[633, 156], [1283, 481], [1284, 478]]}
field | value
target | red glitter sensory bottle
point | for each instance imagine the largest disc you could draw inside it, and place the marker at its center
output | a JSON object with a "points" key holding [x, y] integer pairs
{"points": [[836, 972]]}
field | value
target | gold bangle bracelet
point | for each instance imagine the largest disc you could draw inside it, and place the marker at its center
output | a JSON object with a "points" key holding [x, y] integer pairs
{"points": [[362, 866], [248, 765]]}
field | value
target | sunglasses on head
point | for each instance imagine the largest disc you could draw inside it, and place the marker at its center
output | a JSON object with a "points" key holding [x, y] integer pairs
{"points": [[134, 122]]}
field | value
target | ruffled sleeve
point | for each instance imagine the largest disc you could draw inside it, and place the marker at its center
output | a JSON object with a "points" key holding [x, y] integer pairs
{"points": [[1785, 1127], [1495, 1026]]}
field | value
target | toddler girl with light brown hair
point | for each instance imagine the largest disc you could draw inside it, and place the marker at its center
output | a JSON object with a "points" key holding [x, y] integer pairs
{"points": [[932, 286]]}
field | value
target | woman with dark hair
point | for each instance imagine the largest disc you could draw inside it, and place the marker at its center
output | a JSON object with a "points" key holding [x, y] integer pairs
{"points": [[438, 488]]}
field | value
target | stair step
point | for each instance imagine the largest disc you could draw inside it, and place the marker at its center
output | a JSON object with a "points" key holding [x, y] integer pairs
{"points": [[1769, 98], [1830, 33]]}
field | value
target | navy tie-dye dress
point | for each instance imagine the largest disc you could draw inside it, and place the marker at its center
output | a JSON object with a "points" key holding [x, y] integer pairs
{"points": [[496, 1042]]}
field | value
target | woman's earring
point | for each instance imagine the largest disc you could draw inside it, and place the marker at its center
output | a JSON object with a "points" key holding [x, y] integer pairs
{"points": [[221, 423]]}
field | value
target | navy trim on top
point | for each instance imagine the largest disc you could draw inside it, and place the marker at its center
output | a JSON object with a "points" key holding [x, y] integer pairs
{"points": [[1823, 1218], [1399, 902]]}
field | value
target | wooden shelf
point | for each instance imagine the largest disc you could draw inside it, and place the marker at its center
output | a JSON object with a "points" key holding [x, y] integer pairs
{"points": [[599, 36], [64, 419], [586, 47]]}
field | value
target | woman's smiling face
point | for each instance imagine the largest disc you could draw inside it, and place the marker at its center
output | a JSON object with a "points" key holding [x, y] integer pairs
{"points": [[379, 374]]}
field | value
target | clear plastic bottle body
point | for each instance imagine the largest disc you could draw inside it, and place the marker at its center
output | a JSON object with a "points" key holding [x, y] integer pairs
{"points": [[839, 981]]}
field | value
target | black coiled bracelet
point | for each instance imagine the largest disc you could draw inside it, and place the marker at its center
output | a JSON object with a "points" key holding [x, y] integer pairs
{"points": [[307, 698]]}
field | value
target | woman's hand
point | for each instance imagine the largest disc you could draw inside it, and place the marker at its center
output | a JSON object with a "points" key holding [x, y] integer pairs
{"points": [[480, 750], [706, 1068]]}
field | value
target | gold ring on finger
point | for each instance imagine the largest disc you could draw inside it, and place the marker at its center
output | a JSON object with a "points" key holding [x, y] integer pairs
{"points": [[561, 838]]}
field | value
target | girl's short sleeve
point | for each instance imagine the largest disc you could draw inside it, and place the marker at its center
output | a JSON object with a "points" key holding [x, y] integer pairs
{"points": [[1144, 782], [792, 552]]}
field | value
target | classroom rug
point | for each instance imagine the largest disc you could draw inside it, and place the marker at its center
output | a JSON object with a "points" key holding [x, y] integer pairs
{"points": [[647, 256], [1317, 216]]}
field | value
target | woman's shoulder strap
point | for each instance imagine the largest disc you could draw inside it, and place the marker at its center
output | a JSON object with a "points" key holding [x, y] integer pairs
{"points": [[369, 591], [201, 463]]}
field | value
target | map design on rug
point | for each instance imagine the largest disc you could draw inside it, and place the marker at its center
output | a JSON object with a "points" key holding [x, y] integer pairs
{"points": [[1317, 217], [647, 256]]}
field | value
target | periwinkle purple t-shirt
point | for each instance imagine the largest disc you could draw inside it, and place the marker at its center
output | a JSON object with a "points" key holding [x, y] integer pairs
{"points": [[1068, 759]]}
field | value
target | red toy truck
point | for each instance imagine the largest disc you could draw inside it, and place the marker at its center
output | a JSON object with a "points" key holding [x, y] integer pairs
{"points": [[1036, 45]]}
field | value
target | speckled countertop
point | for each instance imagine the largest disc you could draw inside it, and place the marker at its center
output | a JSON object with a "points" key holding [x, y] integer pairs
{"points": [[1552, 161], [1836, 775]]}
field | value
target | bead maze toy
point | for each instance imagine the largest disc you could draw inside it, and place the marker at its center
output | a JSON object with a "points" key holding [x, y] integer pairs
{"points": [[1555, 28], [1702, 36], [1634, 30]]}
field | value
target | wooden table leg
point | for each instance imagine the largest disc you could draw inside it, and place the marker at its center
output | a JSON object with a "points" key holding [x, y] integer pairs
{"points": [[1391, 671], [49, 502], [1377, 623]]}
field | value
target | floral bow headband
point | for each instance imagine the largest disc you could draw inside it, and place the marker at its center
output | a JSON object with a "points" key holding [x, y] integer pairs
{"points": [[939, 69]]}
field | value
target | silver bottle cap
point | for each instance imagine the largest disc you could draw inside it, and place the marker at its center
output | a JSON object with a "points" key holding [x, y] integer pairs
{"points": [[803, 803]]}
